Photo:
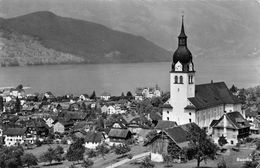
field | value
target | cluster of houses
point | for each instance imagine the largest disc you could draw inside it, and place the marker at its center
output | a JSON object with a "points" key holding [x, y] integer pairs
{"points": [[37, 117], [102, 120]]}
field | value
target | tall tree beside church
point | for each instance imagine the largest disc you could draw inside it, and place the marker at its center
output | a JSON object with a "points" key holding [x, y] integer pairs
{"points": [[1, 103], [17, 105], [200, 146]]}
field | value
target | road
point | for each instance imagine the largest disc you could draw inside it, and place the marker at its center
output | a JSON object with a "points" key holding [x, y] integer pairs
{"points": [[128, 160]]}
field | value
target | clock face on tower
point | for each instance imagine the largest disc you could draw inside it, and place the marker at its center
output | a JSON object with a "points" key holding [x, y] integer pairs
{"points": [[178, 66]]}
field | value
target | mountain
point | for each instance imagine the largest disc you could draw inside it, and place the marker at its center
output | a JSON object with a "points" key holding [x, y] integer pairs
{"points": [[92, 42], [220, 29]]}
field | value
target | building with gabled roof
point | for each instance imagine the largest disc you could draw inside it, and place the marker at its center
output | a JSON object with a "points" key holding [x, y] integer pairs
{"points": [[233, 126], [14, 136], [176, 137]]}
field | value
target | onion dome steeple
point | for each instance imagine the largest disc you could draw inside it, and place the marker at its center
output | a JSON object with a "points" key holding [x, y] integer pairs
{"points": [[182, 55]]}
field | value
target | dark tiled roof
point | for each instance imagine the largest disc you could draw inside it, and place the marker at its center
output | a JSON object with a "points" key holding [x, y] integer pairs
{"points": [[165, 124], [177, 134], [14, 131], [166, 105], [93, 137], [213, 122], [190, 107], [236, 119], [119, 133], [212, 94]]}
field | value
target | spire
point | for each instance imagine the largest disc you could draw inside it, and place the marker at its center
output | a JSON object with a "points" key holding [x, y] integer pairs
{"points": [[182, 34]]}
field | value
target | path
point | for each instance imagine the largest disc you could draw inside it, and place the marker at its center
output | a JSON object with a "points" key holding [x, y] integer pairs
{"points": [[128, 160]]}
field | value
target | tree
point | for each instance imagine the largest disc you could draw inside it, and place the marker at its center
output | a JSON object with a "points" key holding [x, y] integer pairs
{"points": [[93, 95], [129, 95], [122, 149], [1, 103], [87, 163], [146, 163], [144, 107], [222, 164], [49, 156], [222, 141], [200, 146], [19, 87], [156, 101], [92, 153], [10, 157], [76, 150], [59, 151], [122, 95], [103, 150], [29, 159], [250, 164], [233, 89], [17, 105]]}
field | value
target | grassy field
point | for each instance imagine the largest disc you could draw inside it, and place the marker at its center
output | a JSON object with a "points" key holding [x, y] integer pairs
{"points": [[229, 156], [99, 162]]}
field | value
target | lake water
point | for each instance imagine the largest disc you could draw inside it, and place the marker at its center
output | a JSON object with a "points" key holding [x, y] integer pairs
{"points": [[118, 78]]}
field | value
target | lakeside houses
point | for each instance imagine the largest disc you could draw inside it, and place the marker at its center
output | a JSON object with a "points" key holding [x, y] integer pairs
{"points": [[105, 96], [147, 92]]}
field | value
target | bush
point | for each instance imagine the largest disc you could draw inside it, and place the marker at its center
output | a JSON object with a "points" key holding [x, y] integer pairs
{"points": [[222, 164], [130, 156], [87, 163], [92, 153], [38, 143]]}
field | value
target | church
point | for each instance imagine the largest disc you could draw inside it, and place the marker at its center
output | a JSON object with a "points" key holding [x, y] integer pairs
{"points": [[189, 102]]}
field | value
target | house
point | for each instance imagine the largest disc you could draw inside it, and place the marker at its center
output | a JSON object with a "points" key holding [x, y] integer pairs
{"points": [[232, 126], [174, 137], [104, 109], [137, 124], [49, 121], [111, 110], [105, 96], [119, 136], [14, 136], [61, 126], [17, 92], [84, 97], [83, 126], [147, 92], [162, 125], [93, 139]]}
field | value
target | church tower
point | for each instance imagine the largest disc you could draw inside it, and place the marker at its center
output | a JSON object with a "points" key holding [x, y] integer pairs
{"points": [[182, 83]]}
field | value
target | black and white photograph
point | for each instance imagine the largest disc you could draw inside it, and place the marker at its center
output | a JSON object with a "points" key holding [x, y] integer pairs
{"points": [[129, 83]]}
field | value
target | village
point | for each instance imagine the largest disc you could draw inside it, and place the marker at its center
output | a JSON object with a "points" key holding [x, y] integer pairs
{"points": [[132, 121], [203, 125]]}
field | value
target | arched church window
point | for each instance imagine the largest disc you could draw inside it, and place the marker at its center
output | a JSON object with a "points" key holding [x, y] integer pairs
{"points": [[176, 79], [181, 79]]}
